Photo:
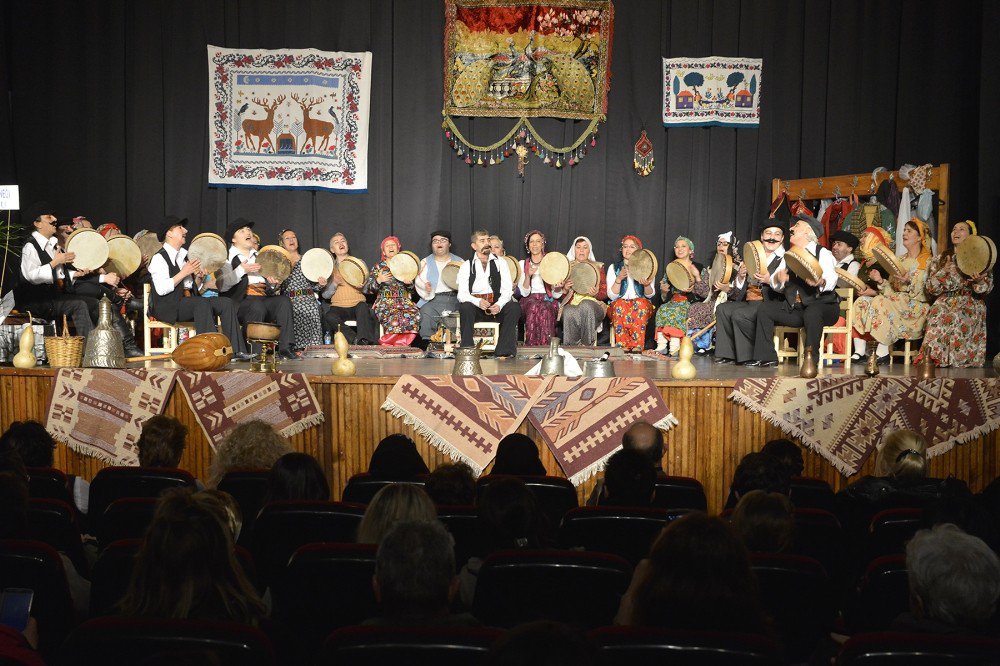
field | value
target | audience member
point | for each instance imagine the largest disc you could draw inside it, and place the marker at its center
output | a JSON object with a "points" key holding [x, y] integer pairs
{"points": [[415, 579], [186, 568], [647, 439], [629, 480], [162, 442], [452, 484], [954, 583], [296, 476], [250, 445], [36, 447], [517, 455], [788, 452], [764, 521], [393, 504], [697, 577], [543, 644], [758, 471], [396, 459]]}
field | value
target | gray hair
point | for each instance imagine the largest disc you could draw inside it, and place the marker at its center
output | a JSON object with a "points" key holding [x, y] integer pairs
{"points": [[414, 568], [955, 575]]}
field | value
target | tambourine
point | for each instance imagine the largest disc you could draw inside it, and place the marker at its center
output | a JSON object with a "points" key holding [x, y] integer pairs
{"points": [[848, 280], [514, 266], [317, 263], [90, 247], [149, 244], [404, 267], [721, 270], [275, 263], [554, 268], [678, 276], [124, 256], [642, 265], [868, 241], [802, 263], [975, 255], [210, 250], [887, 259], [585, 276], [449, 274], [354, 271], [755, 257]]}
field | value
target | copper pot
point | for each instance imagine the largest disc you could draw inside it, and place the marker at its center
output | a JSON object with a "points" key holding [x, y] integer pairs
{"points": [[257, 330]]}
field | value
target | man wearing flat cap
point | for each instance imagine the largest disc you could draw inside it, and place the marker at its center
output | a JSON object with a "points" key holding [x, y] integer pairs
{"points": [[174, 297], [256, 297], [436, 297], [809, 302], [843, 245], [45, 272]]}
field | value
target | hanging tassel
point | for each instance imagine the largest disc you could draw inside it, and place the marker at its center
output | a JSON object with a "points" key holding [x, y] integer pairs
{"points": [[642, 160]]}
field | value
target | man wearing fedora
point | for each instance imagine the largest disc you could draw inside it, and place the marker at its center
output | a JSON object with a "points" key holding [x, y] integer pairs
{"points": [[173, 296]]}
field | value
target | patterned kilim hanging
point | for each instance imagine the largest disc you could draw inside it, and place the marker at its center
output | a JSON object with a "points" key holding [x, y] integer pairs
{"points": [[518, 59], [643, 160]]}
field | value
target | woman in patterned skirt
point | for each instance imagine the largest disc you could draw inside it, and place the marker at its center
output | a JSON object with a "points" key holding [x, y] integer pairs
{"points": [[394, 306], [672, 316], [956, 323], [303, 292], [539, 300], [582, 313], [630, 306], [702, 313]]}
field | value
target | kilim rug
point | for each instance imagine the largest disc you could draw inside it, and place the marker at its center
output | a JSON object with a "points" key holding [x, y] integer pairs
{"points": [[364, 351], [845, 418], [464, 417], [223, 400], [582, 420], [100, 412]]}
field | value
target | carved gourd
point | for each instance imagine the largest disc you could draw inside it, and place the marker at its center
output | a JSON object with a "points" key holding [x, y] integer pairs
{"points": [[343, 366], [25, 358], [684, 368]]}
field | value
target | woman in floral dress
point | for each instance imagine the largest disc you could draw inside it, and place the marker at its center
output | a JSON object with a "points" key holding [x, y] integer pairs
{"points": [[956, 323], [303, 293], [394, 306], [630, 306], [702, 312], [672, 316]]}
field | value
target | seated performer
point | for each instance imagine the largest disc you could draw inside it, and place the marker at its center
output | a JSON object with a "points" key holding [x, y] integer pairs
{"points": [[496, 246], [701, 314], [44, 271], [956, 323], [255, 296], [843, 247], [583, 312], [436, 297], [303, 294], [538, 299], [346, 302], [485, 293], [394, 306], [812, 304], [630, 306], [174, 298], [672, 316]]}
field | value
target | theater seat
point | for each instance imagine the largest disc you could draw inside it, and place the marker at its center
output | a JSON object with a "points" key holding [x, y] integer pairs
{"points": [[49, 482], [37, 566], [121, 641], [818, 535], [248, 487], [578, 588], [679, 492], [125, 518], [53, 522], [554, 495], [890, 648], [890, 529], [378, 646], [646, 646], [627, 532], [113, 483], [810, 493], [463, 524], [883, 593], [361, 488]]}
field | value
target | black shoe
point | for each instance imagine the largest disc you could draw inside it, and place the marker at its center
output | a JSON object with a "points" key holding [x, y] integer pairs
{"points": [[882, 360], [701, 352], [752, 363], [287, 355], [722, 360], [766, 364], [240, 357]]}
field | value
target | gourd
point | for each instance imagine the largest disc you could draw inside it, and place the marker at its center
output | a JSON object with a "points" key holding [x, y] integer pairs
{"points": [[25, 358], [343, 366], [684, 368]]}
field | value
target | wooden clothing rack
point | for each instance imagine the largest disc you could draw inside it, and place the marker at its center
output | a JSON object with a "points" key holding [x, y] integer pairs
{"points": [[830, 187]]}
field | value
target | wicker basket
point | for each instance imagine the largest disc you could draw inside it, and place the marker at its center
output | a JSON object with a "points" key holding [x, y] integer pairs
{"points": [[65, 351]]}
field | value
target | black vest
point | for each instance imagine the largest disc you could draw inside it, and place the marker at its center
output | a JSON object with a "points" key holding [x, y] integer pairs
{"points": [[239, 290], [164, 308], [765, 289], [807, 294], [25, 292], [494, 277]]}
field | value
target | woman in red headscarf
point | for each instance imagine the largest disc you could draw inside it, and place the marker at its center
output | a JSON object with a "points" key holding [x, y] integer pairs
{"points": [[394, 306], [539, 300], [630, 305]]}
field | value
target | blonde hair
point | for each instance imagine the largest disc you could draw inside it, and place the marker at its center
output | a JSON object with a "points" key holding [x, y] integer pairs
{"points": [[903, 454], [250, 445], [393, 504]]}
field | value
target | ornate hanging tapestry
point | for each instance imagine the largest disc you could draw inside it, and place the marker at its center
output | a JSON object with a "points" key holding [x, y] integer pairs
{"points": [[288, 118], [518, 59], [711, 91]]}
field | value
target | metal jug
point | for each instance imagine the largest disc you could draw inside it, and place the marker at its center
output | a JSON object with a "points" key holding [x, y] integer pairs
{"points": [[599, 367], [554, 363], [104, 344], [467, 362]]}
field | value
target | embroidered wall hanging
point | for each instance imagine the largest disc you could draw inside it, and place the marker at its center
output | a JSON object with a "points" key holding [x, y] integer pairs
{"points": [[517, 59], [288, 118], [711, 91]]}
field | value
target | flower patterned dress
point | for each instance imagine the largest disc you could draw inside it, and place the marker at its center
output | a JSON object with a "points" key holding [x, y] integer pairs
{"points": [[393, 306], [305, 308], [629, 314], [672, 316], [956, 323], [895, 315]]}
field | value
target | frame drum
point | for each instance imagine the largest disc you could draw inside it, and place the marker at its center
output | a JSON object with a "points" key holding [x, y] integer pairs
{"points": [[585, 276], [848, 281], [90, 247], [210, 250], [274, 263], [449, 274], [516, 273], [149, 244], [642, 266], [888, 260], [404, 267], [317, 263], [678, 276], [975, 255], [354, 271], [554, 268], [124, 256], [755, 257], [721, 270], [806, 266]]}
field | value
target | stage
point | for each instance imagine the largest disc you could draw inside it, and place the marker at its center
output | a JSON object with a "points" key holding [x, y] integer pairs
{"points": [[713, 434]]}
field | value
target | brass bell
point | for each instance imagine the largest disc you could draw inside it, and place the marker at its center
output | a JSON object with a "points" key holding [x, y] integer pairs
{"points": [[808, 369], [871, 367], [104, 344]]}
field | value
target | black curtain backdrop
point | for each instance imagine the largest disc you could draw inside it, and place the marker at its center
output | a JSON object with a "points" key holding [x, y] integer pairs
{"points": [[107, 117]]}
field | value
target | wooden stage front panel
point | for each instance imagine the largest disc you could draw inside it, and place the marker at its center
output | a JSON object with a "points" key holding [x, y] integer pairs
{"points": [[713, 435]]}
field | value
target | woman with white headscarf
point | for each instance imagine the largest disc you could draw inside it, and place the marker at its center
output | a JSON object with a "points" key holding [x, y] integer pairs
{"points": [[582, 313]]}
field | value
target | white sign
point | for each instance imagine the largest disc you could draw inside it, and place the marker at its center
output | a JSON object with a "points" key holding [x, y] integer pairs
{"points": [[9, 198]]}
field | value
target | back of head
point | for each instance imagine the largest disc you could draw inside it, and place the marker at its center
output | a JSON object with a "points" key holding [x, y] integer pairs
{"points": [[393, 504], [162, 442], [414, 569], [396, 459], [629, 480], [903, 455], [788, 453], [31, 441], [250, 445], [510, 515], [646, 439], [452, 484], [517, 455], [13, 505], [759, 471], [543, 643], [296, 476], [764, 521], [954, 577]]}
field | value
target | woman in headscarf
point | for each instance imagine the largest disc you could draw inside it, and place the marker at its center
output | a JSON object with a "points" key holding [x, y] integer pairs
{"points": [[702, 313], [396, 459], [394, 306], [956, 322], [899, 311], [583, 312], [630, 306], [672, 316], [539, 300]]}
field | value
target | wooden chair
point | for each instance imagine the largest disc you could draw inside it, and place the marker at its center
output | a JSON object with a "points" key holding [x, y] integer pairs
{"points": [[783, 349], [169, 342], [906, 353], [826, 354]]}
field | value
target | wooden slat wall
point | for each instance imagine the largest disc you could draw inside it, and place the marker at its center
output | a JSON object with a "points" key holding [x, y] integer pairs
{"points": [[713, 435]]}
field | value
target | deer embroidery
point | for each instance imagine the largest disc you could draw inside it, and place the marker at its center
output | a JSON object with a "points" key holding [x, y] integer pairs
{"points": [[261, 127], [313, 127]]}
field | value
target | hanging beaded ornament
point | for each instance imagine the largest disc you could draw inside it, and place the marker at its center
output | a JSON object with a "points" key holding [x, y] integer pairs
{"points": [[643, 160]]}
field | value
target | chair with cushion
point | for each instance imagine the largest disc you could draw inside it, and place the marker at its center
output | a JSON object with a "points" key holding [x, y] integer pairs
{"points": [[248, 487], [891, 648], [890, 529], [53, 522], [554, 494], [377, 646], [113, 483], [577, 588], [883, 593], [818, 535], [37, 566], [679, 492], [49, 482], [361, 488], [623, 531], [125, 518], [121, 641], [648, 646], [464, 525]]}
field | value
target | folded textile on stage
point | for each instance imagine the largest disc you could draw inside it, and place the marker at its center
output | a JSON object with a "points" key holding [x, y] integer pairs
{"points": [[844, 418], [464, 417], [712, 91], [223, 400], [100, 412], [582, 421]]}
